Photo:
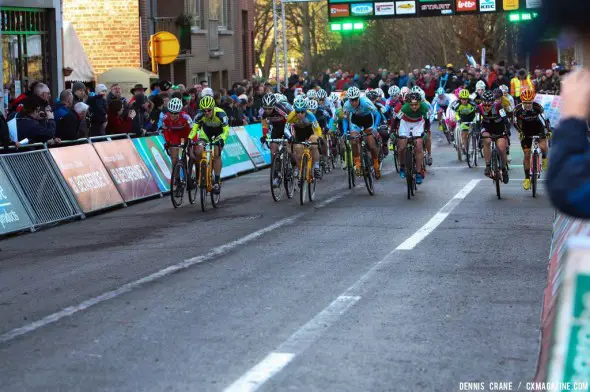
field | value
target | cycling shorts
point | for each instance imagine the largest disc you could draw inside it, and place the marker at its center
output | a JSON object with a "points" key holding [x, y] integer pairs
{"points": [[417, 128], [363, 122], [495, 129], [304, 133], [527, 142]]}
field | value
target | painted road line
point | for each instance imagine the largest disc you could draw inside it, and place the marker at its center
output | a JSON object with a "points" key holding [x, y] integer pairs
{"points": [[438, 218], [296, 344], [126, 288], [313, 329]]}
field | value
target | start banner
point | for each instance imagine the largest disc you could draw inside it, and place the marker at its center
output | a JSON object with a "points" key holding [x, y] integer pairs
{"points": [[13, 216], [129, 172], [151, 149], [86, 176]]}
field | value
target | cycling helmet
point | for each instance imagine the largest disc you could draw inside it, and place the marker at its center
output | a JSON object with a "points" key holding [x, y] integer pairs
{"points": [[353, 93], [300, 103], [497, 93], [422, 94], [381, 93], [488, 97], [504, 88], [394, 91], [322, 94], [440, 91], [278, 96], [334, 97], [312, 94], [481, 85], [207, 102], [415, 96], [415, 89], [464, 94], [269, 101], [207, 91], [458, 91], [175, 105], [313, 105], [527, 96], [372, 95]]}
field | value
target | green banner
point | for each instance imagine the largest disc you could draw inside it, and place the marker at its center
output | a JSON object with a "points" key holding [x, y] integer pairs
{"points": [[13, 216], [234, 156], [151, 149]]}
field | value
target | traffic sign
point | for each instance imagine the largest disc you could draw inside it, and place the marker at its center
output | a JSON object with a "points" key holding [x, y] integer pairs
{"points": [[163, 47]]}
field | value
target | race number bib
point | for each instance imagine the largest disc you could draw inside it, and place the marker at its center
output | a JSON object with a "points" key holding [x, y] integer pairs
{"points": [[502, 113]]}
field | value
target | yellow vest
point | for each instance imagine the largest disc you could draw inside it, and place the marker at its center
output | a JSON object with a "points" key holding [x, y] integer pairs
{"points": [[518, 85]]}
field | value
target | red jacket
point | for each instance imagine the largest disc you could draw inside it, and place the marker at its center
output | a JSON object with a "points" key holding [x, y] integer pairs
{"points": [[117, 124], [429, 88]]}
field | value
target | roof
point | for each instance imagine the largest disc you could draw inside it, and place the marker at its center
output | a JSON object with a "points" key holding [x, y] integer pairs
{"points": [[75, 56]]}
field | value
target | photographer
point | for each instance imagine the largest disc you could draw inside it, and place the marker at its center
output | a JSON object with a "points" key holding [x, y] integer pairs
{"points": [[35, 122]]}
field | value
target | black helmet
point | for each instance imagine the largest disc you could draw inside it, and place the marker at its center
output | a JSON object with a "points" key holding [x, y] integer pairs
{"points": [[372, 94], [414, 97], [269, 100], [488, 97], [498, 93]]}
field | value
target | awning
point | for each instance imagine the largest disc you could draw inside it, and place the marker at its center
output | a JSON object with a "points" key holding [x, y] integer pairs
{"points": [[75, 56]]}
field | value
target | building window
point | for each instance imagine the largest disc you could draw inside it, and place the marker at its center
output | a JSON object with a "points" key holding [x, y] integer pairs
{"points": [[220, 10], [196, 8]]}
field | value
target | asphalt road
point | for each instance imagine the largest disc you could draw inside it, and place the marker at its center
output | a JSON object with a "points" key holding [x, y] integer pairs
{"points": [[351, 293]]}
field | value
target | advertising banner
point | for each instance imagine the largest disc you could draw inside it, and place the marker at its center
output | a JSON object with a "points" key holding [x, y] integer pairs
{"points": [[129, 172], [151, 149], [487, 5], [87, 177], [361, 9], [436, 8], [234, 156], [466, 5], [339, 10], [13, 216], [407, 7], [550, 104], [250, 146], [255, 132], [385, 8]]}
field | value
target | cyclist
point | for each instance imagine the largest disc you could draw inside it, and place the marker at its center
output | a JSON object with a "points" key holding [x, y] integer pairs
{"points": [[324, 103], [427, 139], [305, 127], [176, 125], [480, 88], [312, 94], [211, 125], [382, 128], [441, 104], [335, 98], [361, 112], [282, 98], [465, 110], [530, 122], [413, 117], [493, 122], [273, 116]]}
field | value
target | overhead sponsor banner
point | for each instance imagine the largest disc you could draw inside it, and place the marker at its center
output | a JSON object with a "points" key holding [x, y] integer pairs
{"points": [[385, 8], [151, 149], [405, 7], [487, 5], [510, 5], [339, 10], [342, 1], [13, 216], [129, 172], [436, 8], [250, 147], [87, 177], [255, 132], [534, 3], [361, 9], [234, 156], [466, 5]]}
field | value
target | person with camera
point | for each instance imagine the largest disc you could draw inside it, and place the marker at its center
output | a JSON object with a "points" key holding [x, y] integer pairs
{"points": [[36, 122]]}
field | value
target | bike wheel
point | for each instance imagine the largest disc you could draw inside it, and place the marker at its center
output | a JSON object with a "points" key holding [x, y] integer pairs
{"points": [[458, 142], [275, 173], [497, 170], [350, 169], [534, 172], [410, 172], [475, 147], [311, 187], [303, 180], [288, 179], [192, 183], [395, 159], [176, 184], [368, 173], [203, 186]]}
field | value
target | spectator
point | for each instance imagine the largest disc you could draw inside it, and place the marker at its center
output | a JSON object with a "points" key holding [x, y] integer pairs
{"points": [[403, 79], [5, 140], [138, 89], [414, 77], [36, 122], [520, 83], [551, 83], [232, 111], [204, 83], [141, 107], [156, 112], [79, 91], [115, 93], [193, 104], [429, 85], [98, 111], [117, 122], [81, 110], [165, 87], [154, 88], [67, 123], [257, 99], [42, 90]]}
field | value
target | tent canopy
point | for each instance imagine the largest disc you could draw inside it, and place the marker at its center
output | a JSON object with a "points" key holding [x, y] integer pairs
{"points": [[75, 56]]}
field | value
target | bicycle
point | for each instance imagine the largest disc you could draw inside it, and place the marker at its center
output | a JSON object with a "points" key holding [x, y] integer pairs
{"points": [[445, 128], [393, 150], [281, 168], [496, 163], [183, 176], [458, 141], [307, 181], [410, 160], [206, 174], [472, 147], [325, 167], [367, 169], [335, 155], [535, 167], [349, 163]]}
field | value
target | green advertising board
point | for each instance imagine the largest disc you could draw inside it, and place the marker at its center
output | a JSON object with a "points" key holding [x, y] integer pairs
{"points": [[152, 152], [13, 216], [234, 156]]}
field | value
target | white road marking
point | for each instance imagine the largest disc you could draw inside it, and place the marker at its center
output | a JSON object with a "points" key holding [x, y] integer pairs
{"points": [[313, 329], [126, 288], [438, 218]]}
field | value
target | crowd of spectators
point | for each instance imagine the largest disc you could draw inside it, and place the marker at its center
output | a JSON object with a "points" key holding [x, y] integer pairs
{"points": [[80, 113]]}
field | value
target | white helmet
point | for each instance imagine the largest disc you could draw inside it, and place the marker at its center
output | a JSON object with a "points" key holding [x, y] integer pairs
{"points": [[334, 97], [381, 93], [353, 93], [312, 94], [175, 105], [481, 85], [278, 96], [312, 105], [207, 91], [394, 91], [404, 92], [504, 88]]}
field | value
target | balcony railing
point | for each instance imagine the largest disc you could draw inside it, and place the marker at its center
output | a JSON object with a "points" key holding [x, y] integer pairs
{"points": [[183, 33]]}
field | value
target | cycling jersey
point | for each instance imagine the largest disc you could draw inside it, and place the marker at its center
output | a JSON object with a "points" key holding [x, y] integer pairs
{"points": [[530, 123], [464, 113], [210, 128], [275, 120], [493, 120], [305, 127], [413, 121], [322, 117], [477, 98], [364, 116], [441, 102], [175, 130]]}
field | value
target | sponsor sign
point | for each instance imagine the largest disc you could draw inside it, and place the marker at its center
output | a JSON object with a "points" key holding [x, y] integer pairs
{"points": [[13, 216], [87, 177], [255, 132], [151, 149], [339, 10], [405, 7], [341, 1], [510, 5], [466, 5], [533, 3], [234, 156], [436, 8], [487, 5], [250, 147], [361, 9], [385, 8], [130, 174], [551, 107]]}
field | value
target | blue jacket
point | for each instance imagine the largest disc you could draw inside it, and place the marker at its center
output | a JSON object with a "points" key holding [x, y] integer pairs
{"points": [[403, 81], [34, 130], [568, 178]]}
